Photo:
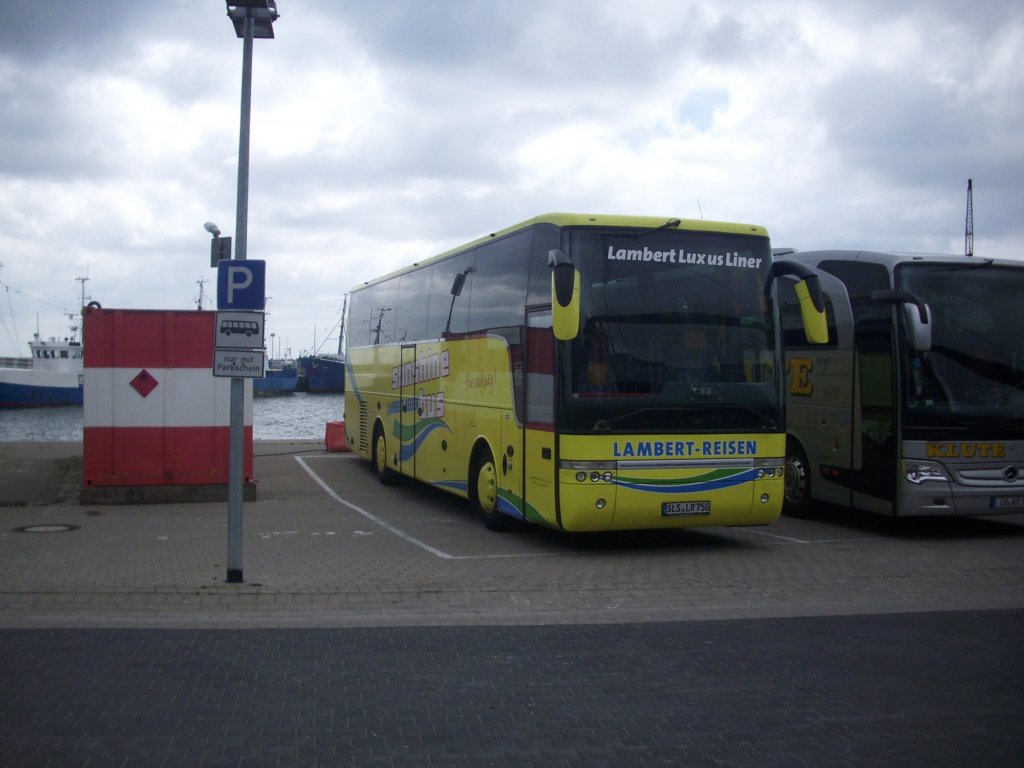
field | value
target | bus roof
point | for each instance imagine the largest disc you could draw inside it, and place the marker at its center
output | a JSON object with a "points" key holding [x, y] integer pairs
{"points": [[586, 220], [890, 260]]}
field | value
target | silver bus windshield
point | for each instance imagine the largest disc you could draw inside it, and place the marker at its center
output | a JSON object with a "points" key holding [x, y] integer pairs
{"points": [[974, 372], [675, 335]]}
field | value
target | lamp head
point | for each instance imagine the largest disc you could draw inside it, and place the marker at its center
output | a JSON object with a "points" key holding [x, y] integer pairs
{"points": [[212, 228]]}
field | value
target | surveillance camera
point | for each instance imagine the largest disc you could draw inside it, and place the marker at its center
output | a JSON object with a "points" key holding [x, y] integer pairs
{"points": [[212, 228]]}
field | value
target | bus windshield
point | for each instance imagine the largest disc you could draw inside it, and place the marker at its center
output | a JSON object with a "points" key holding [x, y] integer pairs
{"points": [[675, 335], [974, 373]]}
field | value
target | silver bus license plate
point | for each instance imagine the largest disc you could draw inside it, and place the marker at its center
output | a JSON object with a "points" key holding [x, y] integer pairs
{"points": [[672, 508], [1008, 502]]}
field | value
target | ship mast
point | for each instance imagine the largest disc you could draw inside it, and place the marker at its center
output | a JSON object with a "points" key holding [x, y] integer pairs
{"points": [[201, 282], [341, 326], [81, 305]]}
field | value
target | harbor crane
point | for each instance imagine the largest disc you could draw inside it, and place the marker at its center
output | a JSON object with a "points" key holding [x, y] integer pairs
{"points": [[969, 222]]}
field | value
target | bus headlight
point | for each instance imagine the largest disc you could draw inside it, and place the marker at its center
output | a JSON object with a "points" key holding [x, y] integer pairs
{"points": [[919, 472]]}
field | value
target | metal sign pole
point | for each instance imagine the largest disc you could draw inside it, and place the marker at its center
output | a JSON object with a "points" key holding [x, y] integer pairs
{"points": [[237, 441]]}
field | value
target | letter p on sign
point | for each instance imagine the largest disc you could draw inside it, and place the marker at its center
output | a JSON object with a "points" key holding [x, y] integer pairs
{"points": [[241, 284]]}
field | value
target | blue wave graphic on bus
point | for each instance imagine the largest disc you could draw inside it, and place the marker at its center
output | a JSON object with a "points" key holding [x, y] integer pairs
{"points": [[691, 487], [505, 505], [409, 448]]}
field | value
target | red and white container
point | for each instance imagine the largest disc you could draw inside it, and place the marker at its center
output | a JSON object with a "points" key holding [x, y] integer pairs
{"points": [[156, 419]]}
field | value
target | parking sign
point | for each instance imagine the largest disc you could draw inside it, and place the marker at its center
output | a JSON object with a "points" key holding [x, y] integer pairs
{"points": [[241, 284]]}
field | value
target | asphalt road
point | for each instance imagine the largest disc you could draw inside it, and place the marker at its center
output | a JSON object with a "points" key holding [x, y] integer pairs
{"points": [[387, 627], [934, 689]]}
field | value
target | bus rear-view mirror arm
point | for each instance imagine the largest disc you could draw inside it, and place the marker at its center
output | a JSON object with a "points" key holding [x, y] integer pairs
{"points": [[808, 290], [457, 283], [919, 322]]}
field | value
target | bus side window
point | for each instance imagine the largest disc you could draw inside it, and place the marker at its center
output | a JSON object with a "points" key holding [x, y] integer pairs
{"points": [[441, 300], [413, 298], [498, 290]]}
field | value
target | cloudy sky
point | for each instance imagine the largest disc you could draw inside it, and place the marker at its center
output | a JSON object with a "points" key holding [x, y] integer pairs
{"points": [[385, 131]]}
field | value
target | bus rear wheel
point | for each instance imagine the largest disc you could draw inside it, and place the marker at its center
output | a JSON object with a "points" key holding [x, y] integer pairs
{"points": [[797, 501], [385, 474], [483, 492]]}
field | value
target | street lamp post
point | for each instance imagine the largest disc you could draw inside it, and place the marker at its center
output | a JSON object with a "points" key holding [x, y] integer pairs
{"points": [[251, 19]]}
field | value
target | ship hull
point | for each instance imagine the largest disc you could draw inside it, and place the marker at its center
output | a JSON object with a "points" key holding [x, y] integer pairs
{"points": [[324, 374], [277, 381], [39, 389]]}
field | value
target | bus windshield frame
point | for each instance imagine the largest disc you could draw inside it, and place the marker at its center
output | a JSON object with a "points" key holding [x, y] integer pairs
{"points": [[675, 335], [973, 375]]}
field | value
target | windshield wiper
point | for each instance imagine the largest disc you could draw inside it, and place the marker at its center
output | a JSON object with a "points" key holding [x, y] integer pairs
{"points": [[646, 232], [766, 422], [957, 267], [606, 424]]}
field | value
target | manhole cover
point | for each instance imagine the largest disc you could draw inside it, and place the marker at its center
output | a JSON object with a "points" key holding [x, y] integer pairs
{"points": [[47, 528]]}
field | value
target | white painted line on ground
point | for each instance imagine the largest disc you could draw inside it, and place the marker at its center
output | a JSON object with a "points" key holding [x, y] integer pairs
{"points": [[792, 540], [372, 517], [398, 531], [774, 535]]}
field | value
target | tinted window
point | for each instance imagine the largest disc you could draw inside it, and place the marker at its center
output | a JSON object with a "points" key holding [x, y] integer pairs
{"points": [[381, 320], [545, 237], [441, 299], [411, 323], [357, 327], [498, 282], [860, 279]]}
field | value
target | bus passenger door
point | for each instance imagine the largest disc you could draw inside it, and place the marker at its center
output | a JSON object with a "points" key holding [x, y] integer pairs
{"points": [[874, 481], [407, 410], [539, 459]]}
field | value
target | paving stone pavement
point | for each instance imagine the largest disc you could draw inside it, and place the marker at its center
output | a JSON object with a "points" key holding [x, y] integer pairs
{"points": [[386, 627]]}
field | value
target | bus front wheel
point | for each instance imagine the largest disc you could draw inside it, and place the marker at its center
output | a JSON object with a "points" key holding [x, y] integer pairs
{"points": [[797, 482], [483, 492], [385, 474]]}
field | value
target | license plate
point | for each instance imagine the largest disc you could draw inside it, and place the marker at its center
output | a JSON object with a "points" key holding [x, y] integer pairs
{"points": [[1008, 502], [672, 508]]}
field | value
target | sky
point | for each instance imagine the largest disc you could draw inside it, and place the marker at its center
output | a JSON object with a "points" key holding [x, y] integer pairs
{"points": [[386, 131]]}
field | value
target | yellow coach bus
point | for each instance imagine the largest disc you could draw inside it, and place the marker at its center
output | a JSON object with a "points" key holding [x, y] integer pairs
{"points": [[583, 372]]}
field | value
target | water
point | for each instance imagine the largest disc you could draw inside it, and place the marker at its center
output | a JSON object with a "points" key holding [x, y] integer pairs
{"points": [[300, 416]]}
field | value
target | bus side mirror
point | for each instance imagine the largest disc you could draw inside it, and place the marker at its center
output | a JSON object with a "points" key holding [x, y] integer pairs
{"points": [[565, 296], [811, 310], [916, 312], [808, 291], [920, 331]]}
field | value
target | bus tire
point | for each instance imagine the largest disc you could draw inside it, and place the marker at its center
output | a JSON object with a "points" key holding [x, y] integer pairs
{"points": [[797, 500], [483, 491], [385, 474]]}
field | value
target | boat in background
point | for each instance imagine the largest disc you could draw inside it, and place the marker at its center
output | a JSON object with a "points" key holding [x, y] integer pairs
{"points": [[323, 373], [326, 372], [281, 378], [51, 376]]}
